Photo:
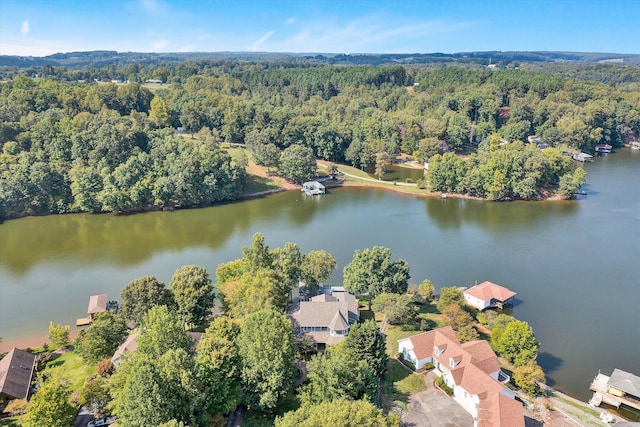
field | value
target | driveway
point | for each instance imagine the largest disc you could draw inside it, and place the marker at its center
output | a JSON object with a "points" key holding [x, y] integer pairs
{"points": [[433, 408]]}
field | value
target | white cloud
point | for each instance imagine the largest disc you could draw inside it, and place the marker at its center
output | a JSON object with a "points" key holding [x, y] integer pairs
{"points": [[367, 34], [290, 20], [257, 44], [157, 45], [187, 48], [153, 7], [24, 29]]}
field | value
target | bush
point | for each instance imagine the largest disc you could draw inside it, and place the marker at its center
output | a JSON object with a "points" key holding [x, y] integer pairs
{"points": [[105, 368], [429, 366], [408, 180], [440, 383]]}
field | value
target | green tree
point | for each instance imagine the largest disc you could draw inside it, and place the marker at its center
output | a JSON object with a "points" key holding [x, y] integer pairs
{"points": [[218, 366], [449, 296], [397, 309], [372, 272], [159, 112], [139, 296], [94, 395], [162, 330], [193, 294], [427, 290], [58, 335], [266, 350], [467, 333], [344, 413], [50, 405], [528, 377], [456, 317], [255, 291], [288, 261], [102, 338], [570, 183], [317, 267], [336, 374], [257, 255], [297, 164], [518, 343], [366, 342]]}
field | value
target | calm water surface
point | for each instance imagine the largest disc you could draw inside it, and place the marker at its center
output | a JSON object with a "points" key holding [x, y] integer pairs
{"points": [[575, 265]]}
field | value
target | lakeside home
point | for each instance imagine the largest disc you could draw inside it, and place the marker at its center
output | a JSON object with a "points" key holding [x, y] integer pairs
{"points": [[471, 370], [327, 318], [16, 373]]}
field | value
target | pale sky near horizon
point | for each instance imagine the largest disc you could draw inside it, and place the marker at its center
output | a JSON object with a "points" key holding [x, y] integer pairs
{"points": [[43, 27]]}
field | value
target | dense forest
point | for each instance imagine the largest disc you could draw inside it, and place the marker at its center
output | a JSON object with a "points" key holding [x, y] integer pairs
{"points": [[96, 139]]}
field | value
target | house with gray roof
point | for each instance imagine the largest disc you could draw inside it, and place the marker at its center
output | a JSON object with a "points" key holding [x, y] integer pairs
{"points": [[327, 318], [16, 372]]}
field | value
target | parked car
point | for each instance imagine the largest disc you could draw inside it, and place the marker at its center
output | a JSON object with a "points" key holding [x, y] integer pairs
{"points": [[102, 422]]}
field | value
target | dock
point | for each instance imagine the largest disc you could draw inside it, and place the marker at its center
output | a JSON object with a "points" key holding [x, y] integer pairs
{"points": [[582, 157], [313, 188], [621, 388]]}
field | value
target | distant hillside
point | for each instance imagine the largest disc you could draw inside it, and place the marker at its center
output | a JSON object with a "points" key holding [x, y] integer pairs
{"points": [[106, 58]]}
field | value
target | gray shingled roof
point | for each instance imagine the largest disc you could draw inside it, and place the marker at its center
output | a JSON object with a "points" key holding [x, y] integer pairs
{"points": [[97, 303], [625, 381], [16, 369], [338, 323]]}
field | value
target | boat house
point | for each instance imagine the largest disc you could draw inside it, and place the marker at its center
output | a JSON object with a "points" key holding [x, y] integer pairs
{"points": [[582, 157], [621, 388], [16, 373], [97, 304], [489, 295], [313, 188]]}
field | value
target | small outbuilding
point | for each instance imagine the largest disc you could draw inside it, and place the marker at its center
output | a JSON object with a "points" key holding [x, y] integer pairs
{"points": [[489, 295], [16, 373]]}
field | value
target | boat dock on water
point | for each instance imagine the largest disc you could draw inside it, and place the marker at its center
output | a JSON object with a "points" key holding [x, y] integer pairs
{"points": [[621, 388]]}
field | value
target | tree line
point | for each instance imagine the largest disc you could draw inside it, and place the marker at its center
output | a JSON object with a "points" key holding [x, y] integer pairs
{"points": [[83, 146]]}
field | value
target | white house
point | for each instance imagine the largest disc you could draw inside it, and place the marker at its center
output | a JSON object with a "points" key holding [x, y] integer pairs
{"points": [[471, 370], [489, 295]]}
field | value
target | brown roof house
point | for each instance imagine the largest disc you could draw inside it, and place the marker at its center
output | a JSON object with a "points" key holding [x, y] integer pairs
{"points": [[327, 318], [489, 295], [471, 370], [130, 345], [97, 304], [16, 372]]}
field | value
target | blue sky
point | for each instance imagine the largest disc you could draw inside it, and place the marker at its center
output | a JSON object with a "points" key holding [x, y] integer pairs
{"points": [[37, 27]]}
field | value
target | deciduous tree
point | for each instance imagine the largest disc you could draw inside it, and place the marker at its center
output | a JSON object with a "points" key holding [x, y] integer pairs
{"points": [[266, 350], [193, 293], [50, 405], [344, 413], [518, 343], [371, 272], [139, 296], [102, 338], [58, 335], [366, 342], [316, 267], [297, 164]]}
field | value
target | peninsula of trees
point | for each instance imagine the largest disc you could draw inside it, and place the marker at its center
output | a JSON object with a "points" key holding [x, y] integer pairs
{"points": [[98, 139]]}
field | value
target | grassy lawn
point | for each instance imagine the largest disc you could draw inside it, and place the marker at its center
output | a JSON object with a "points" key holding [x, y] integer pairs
{"points": [[395, 333], [256, 184], [262, 419], [71, 366], [398, 384]]}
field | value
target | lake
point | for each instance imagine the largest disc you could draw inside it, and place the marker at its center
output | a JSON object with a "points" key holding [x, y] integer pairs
{"points": [[574, 264]]}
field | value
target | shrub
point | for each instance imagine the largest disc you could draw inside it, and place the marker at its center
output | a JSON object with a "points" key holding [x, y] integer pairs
{"points": [[105, 368], [440, 383], [408, 180]]}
